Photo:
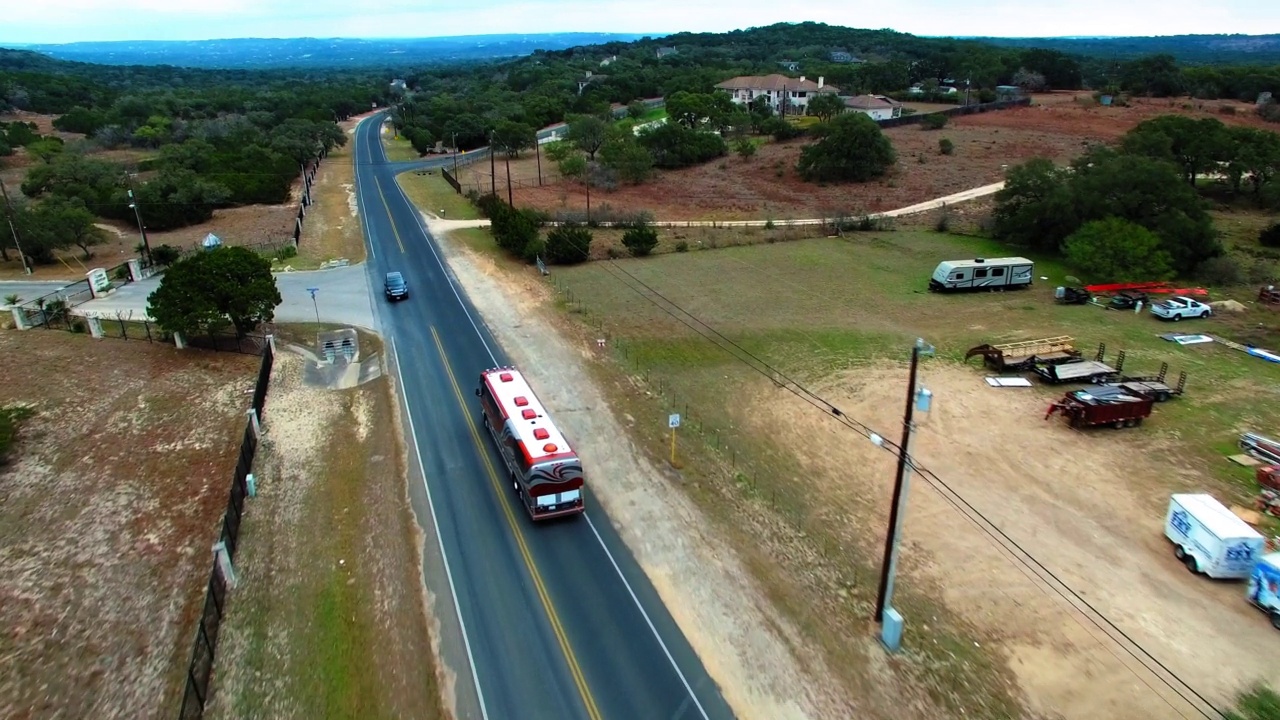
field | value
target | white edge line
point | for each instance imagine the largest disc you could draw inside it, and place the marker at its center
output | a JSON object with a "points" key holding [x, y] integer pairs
{"points": [[652, 628], [665, 651], [475, 678]]}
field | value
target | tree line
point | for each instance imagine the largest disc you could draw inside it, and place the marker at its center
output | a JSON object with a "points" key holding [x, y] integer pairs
{"points": [[1136, 212]]}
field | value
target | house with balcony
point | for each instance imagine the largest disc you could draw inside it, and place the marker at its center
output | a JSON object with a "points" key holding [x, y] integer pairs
{"points": [[840, 55], [877, 107], [786, 95]]}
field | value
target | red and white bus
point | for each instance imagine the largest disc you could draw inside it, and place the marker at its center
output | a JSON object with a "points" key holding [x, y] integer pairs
{"points": [[545, 472]]}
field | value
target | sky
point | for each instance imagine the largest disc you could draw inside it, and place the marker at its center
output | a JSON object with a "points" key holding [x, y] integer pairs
{"points": [[60, 21]]}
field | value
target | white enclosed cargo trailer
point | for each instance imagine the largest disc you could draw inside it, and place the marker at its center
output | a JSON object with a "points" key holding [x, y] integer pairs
{"points": [[982, 274], [1208, 538]]}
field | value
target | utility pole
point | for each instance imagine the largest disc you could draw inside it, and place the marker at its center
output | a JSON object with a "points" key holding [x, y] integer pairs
{"points": [[455, 156], [537, 151], [493, 172], [510, 200], [8, 206], [137, 213], [587, 183], [884, 597]]}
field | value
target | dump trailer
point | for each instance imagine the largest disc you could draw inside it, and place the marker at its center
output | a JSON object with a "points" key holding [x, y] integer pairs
{"points": [[1025, 355], [1102, 405]]}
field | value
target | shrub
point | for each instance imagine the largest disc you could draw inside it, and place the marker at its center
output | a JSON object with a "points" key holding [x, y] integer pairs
{"points": [[682, 246], [1221, 271], [946, 147], [640, 240], [934, 121], [745, 148], [943, 223], [568, 244], [10, 419], [1270, 237], [165, 255]]}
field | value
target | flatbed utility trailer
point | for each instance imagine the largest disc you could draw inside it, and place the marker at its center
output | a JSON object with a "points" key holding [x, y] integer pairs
{"points": [[1093, 371], [1153, 386], [1025, 355], [1102, 405]]}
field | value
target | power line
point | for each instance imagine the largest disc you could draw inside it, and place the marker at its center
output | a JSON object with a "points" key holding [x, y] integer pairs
{"points": [[968, 511]]}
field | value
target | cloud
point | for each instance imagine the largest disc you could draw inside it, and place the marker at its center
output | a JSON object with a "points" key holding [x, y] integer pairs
{"points": [[77, 20]]}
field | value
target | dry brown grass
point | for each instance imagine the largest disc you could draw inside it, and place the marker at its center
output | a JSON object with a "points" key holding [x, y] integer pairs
{"points": [[332, 228], [106, 517], [330, 620]]}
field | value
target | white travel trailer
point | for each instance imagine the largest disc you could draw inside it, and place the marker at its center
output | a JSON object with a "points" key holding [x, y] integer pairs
{"points": [[982, 274], [1208, 538]]}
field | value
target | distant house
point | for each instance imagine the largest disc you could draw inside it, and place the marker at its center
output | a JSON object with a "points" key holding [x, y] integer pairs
{"points": [[789, 65], [665, 51], [840, 55], [398, 86], [786, 95], [608, 61], [878, 107], [587, 79]]}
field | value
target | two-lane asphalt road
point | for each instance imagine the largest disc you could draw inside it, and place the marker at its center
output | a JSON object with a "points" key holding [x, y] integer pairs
{"points": [[556, 620]]}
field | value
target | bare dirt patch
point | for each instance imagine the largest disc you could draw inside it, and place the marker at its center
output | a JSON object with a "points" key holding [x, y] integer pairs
{"points": [[330, 618], [43, 123], [106, 517], [1095, 519]]}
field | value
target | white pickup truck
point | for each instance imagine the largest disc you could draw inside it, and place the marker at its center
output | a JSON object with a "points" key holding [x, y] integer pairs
{"points": [[1178, 307]]}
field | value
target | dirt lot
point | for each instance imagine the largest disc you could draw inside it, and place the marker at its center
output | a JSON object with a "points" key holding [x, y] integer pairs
{"points": [[1058, 126], [330, 620], [983, 636], [106, 517]]}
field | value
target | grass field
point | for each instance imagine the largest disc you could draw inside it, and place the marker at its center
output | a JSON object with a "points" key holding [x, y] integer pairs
{"points": [[329, 621], [398, 148], [430, 192], [839, 315], [332, 228]]}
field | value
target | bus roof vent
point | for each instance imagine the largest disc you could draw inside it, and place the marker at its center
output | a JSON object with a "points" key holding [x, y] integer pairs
{"points": [[528, 414], [505, 377], [541, 433], [522, 400]]}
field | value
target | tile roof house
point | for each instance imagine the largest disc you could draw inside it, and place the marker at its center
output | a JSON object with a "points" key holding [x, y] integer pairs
{"points": [[665, 51], [878, 107], [785, 95]]}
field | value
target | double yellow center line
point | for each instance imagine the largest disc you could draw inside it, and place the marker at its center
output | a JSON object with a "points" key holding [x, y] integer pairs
{"points": [[501, 488], [391, 219]]}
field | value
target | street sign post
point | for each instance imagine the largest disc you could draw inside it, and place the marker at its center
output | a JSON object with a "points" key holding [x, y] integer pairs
{"points": [[673, 422]]}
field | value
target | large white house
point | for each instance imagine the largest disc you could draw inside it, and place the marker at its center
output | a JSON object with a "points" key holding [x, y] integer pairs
{"points": [[785, 95], [878, 107]]}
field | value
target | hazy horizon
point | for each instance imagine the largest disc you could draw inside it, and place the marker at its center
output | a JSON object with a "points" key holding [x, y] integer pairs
{"points": [[70, 21]]}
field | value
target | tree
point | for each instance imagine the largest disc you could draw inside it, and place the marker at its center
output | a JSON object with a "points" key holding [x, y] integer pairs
{"points": [[512, 137], [640, 239], [587, 133], [227, 285], [558, 150], [826, 106], [514, 230], [72, 223], [636, 109], [1029, 80], [689, 109], [946, 147], [933, 121], [675, 146], [1116, 250], [1035, 209], [568, 244], [745, 148], [1195, 145], [626, 156], [851, 148]]}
